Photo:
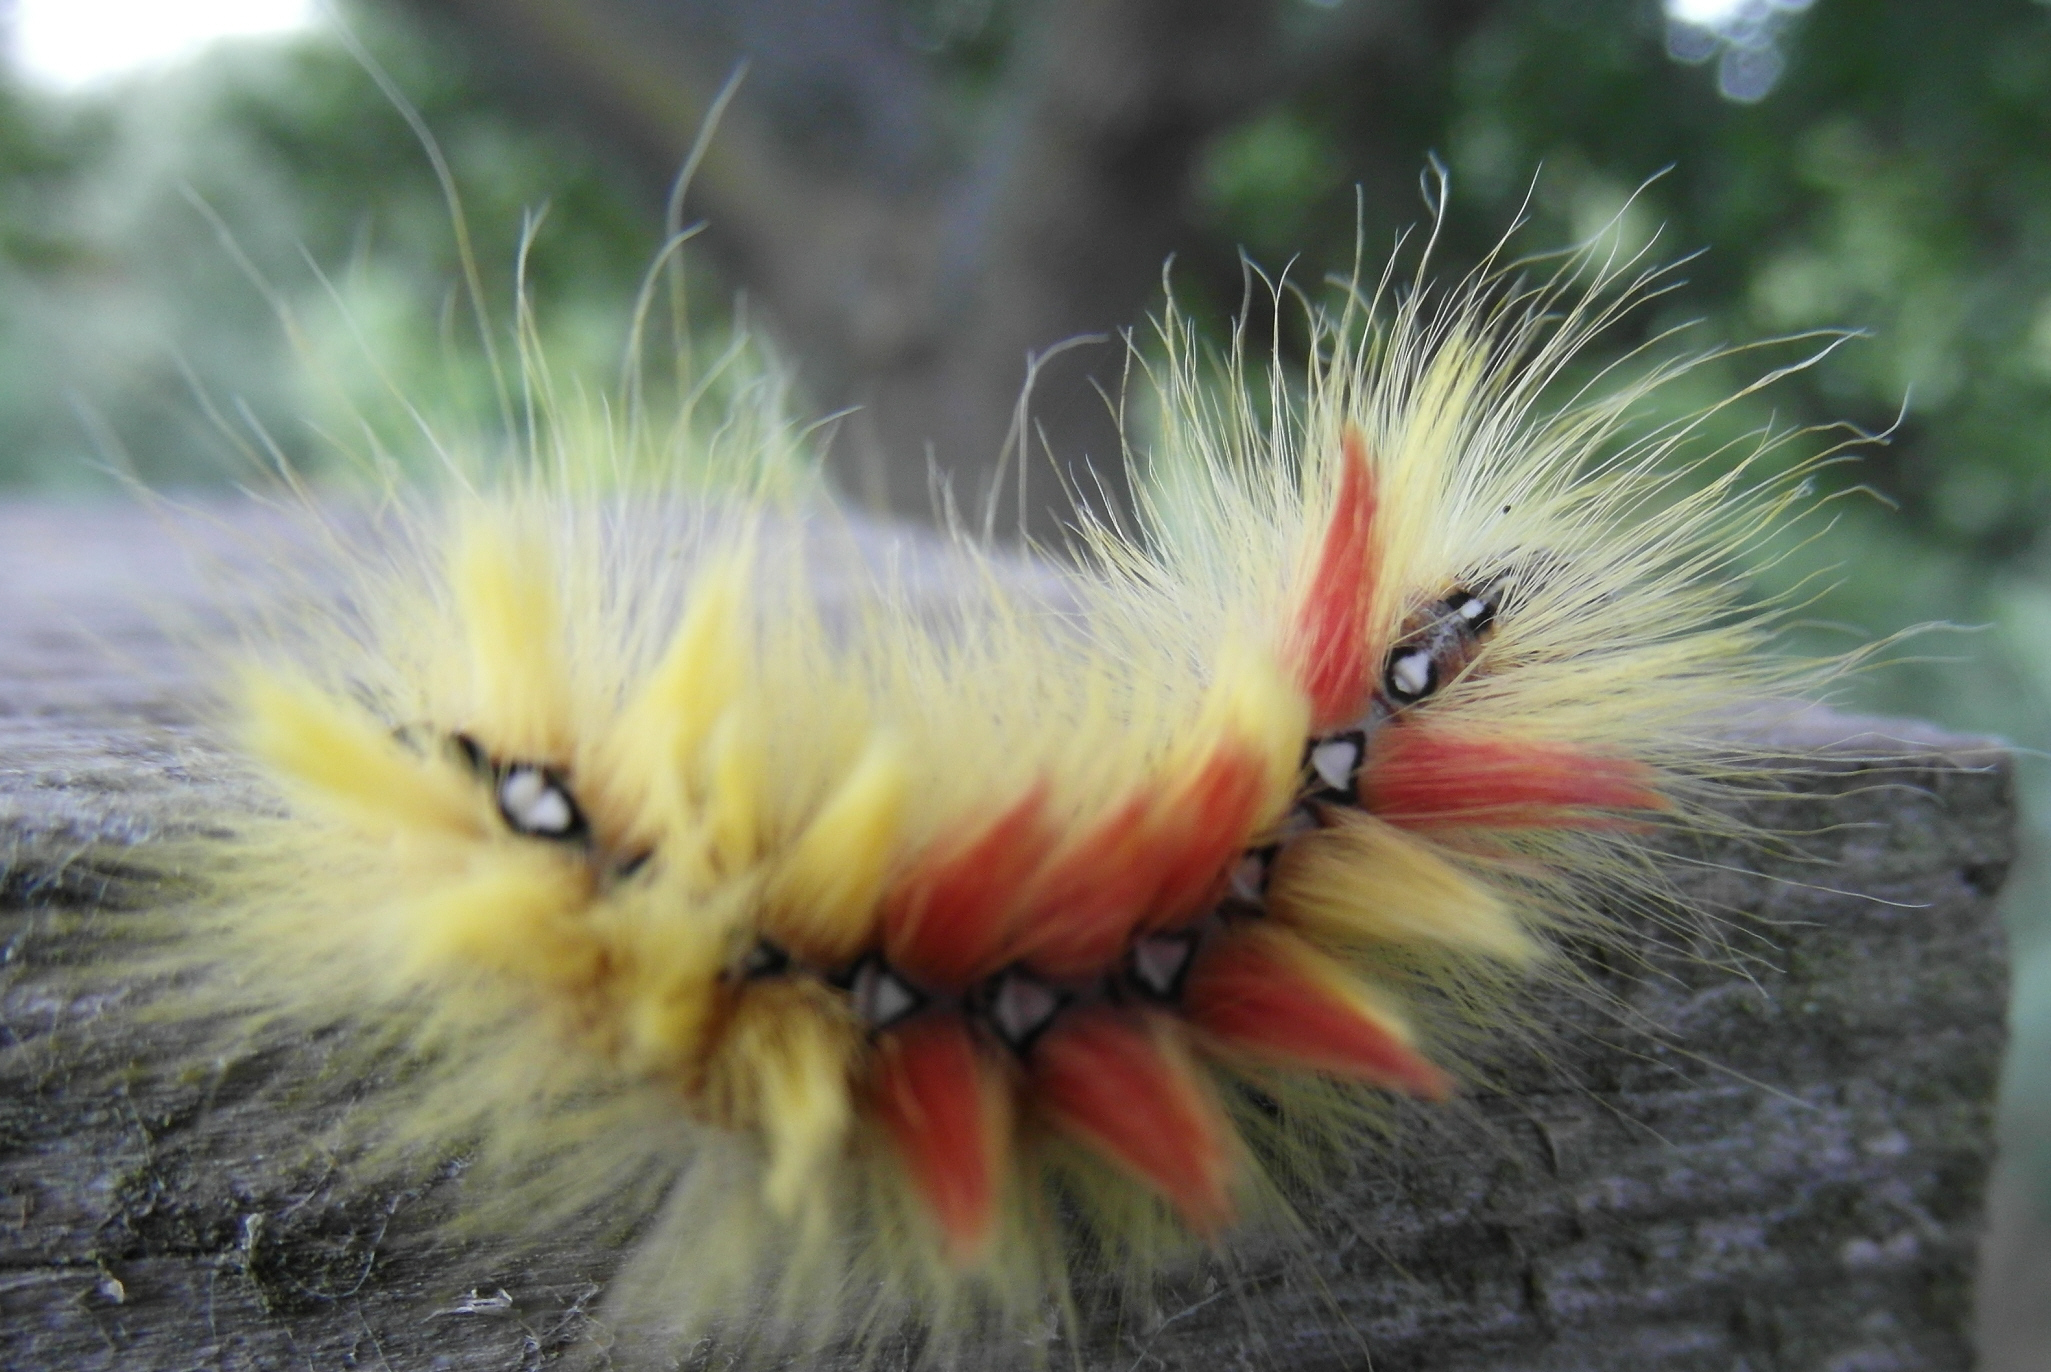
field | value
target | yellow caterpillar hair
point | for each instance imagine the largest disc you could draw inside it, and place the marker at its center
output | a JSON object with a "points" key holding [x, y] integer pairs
{"points": [[904, 953]]}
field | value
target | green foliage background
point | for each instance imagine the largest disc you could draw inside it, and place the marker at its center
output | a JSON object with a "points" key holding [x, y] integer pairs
{"points": [[154, 235], [1895, 181]]}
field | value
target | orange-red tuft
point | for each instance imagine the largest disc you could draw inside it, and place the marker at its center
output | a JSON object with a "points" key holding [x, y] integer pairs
{"points": [[1264, 994], [943, 1103], [1420, 777], [1121, 1083], [1335, 662], [949, 922], [1080, 916], [1209, 823], [1157, 860]]}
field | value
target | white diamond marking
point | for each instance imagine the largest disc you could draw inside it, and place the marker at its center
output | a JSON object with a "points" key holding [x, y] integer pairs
{"points": [[1022, 1007], [533, 803], [881, 998], [1334, 761], [1411, 671], [1158, 961], [1250, 877]]}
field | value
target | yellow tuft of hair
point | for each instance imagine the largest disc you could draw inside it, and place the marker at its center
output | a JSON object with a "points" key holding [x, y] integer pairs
{"points": [[906, 942]]}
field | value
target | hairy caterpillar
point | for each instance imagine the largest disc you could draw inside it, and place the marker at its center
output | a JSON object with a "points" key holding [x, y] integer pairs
{"points": [[905, 953]]}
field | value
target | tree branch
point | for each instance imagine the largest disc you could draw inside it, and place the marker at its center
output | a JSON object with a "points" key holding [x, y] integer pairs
{"points": [[913, 272]]}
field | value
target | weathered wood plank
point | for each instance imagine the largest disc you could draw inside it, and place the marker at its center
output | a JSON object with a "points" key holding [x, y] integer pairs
{"points": [[1772, 1162]]}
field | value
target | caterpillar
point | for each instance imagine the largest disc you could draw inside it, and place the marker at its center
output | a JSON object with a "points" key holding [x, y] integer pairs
{"points": [[899, 943]]}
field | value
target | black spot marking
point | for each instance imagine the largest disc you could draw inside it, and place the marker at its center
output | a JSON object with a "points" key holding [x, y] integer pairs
{"points": [[765, 959], [1440, 640], [1474, 610], [469, 753], [1299, 821]]}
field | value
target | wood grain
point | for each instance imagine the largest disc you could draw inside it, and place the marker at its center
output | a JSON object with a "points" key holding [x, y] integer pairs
{"points": [[1772, 1156]]}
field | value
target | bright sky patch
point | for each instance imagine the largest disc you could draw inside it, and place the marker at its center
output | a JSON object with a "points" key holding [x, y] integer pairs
{"points": [[68, 44]]}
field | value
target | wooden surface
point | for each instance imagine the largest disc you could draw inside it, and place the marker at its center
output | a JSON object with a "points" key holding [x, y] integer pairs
{"points": [[1774, 1159]]}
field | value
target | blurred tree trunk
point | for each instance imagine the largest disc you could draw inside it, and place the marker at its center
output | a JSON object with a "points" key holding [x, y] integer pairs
{"points": [[914, 268]]}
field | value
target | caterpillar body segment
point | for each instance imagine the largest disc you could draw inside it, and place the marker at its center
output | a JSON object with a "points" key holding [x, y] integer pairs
{"points": [[912, 954]]}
